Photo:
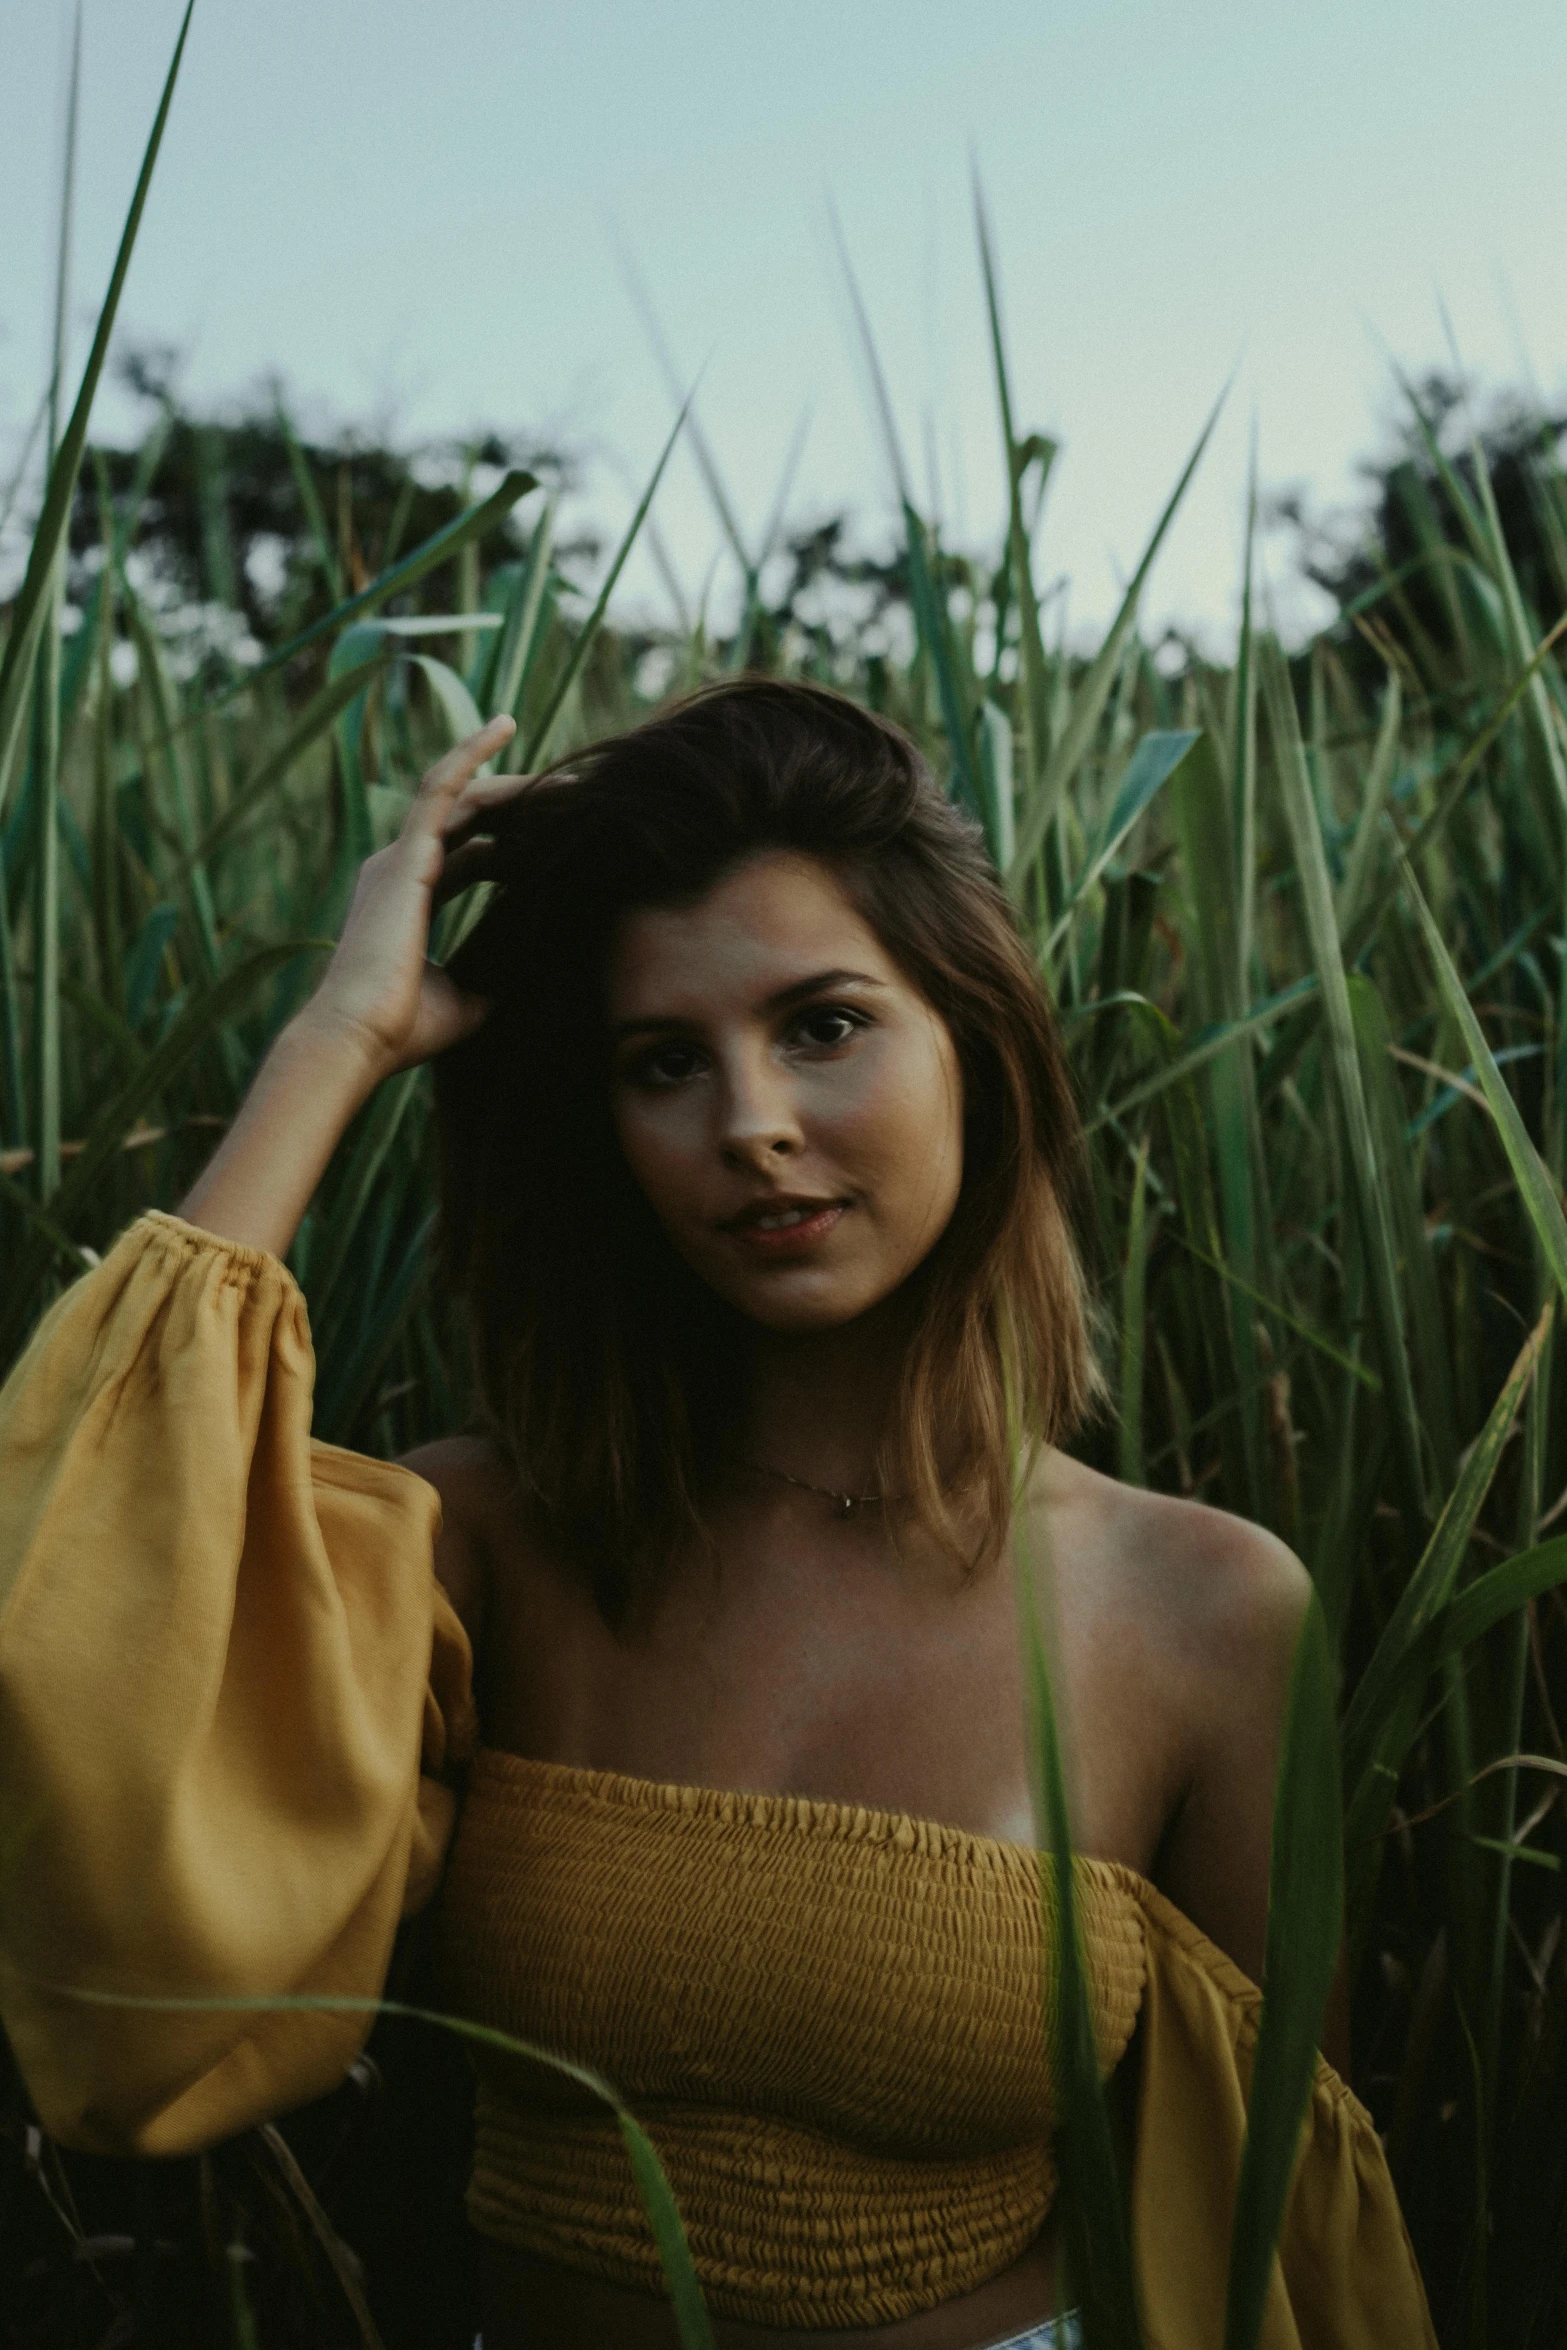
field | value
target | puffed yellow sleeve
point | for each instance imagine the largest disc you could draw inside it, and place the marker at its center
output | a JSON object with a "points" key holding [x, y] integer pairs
{"points": [[1345, 2277], [222, 1655]]}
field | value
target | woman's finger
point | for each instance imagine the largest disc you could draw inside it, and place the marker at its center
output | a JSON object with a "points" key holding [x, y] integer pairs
{"points": [[493, 791], [479, 802], [475, 860], [470, 812], [466, 825], [436, 794]]}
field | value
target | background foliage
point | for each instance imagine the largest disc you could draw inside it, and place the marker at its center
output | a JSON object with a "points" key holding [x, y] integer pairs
{"points": [[1303, 917]]}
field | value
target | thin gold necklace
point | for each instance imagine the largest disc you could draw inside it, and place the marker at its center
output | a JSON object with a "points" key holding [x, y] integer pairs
{"points": [[844, 1504]]}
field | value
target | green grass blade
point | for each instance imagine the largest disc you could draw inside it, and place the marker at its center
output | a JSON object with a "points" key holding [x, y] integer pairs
{"points": [[692, 2321], [1368, 826], [46, 898], [1370, 1722], [344, 2265], [1451, 792], [691, 2318], [1497, 1594], [247, 2334], [1035, 704], [1243, 746], [1305, 1925], [538, 740], [1530, 1172], [382, 1122], [1157, 758], [360, 652], [204, 1019], [1481, 524], [1088, 703], [30, 612], [772, 529], [1199, 1222], [153, 672], [1371, 1214], [1520, 635], [1402, 1191], [995, 767], [674, 384], [14, 1121], [146, 958], [873, 368], [1204, 811], [1134, 1325], [19, 472], [442, 546], [521, 635], [935, 631], [1205, 825], [452, 698], [1203, 1048], [1509, 1732], [1093, 2205], [78, 1258], [326, 553], [250, 798], [1324, 1346], [107, 927], [745, 632], [46, 727], [344, 1394]]}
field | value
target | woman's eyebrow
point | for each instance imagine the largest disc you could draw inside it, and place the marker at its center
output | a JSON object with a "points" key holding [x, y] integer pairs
{"points": [[798, 989], [796, 992]]}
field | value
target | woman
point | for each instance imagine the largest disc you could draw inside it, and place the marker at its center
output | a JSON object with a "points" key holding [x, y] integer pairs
{"points": [[758, 1147]]}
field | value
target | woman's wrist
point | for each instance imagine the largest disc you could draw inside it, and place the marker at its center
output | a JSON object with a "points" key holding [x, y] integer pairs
{"points": [[255, 1189], [340, 1052]]}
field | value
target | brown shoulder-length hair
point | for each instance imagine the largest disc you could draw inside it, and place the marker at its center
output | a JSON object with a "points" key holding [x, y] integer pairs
{"points": [[606, 1369]]}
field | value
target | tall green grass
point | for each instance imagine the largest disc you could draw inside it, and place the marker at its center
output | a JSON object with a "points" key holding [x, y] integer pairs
{"points": [[1303, 917]]}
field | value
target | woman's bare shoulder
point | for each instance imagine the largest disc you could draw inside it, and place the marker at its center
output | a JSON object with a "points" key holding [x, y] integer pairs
{"points": [[478, 1490], [1202, 1612], [470, 1473], [1222, 1589]]}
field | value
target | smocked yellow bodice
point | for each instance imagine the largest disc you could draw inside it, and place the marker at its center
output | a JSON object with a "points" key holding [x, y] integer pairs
{"points": [[833, 2021], [223, 1660]]}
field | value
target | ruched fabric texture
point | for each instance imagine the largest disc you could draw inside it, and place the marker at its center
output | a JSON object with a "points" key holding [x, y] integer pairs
{"points": [[834, 2023], [222, 1657], [216, 1676], [829, 2019]]}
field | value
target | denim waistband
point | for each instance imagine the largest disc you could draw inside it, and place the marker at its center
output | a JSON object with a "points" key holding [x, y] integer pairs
{"points": [[1052, 2333]]}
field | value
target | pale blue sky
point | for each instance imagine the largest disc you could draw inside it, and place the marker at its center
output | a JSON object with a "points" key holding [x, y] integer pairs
{"points": [[411, 211]]}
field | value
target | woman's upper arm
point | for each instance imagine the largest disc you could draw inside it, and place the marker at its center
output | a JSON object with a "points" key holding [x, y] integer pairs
{"points": [[1248, 1599], [215, 1650], [461, 1470]]}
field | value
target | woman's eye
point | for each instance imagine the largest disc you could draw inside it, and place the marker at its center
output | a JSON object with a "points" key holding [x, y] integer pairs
{"points": [[664, 1065], [827, 1025]]}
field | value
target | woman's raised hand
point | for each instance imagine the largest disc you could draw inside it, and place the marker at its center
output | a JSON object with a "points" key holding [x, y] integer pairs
{"points": [[379, 991], [381, 1005]]}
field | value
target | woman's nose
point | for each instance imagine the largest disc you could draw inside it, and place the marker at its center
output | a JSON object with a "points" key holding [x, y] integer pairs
{"points": [[758, 1121]]}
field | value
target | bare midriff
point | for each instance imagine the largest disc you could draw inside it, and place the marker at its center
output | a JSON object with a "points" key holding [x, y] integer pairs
{"points": [[532, 2304]]}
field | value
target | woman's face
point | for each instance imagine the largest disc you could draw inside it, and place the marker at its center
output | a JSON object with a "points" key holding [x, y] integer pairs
{"points": [[787, 1099]]}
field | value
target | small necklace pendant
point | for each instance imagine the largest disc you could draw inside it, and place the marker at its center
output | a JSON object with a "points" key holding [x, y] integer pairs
{"points": [[844, 1505]]}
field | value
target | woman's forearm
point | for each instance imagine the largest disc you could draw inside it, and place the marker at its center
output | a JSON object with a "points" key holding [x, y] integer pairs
{"points": [[260, 1180], [381, 1006]]}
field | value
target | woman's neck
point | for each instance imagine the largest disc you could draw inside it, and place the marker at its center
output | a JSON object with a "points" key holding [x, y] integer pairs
{"points": [[818, 1401]]}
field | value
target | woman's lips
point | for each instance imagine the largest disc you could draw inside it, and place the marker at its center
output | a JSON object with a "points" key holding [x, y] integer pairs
{"points": [[793, 1237]]}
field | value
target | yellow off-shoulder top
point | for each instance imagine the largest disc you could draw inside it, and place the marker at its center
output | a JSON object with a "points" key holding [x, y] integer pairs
{"points": [[231, 1696]]}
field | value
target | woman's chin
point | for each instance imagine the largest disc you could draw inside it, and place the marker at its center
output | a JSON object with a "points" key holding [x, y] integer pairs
{"points": [[808, 1306]]}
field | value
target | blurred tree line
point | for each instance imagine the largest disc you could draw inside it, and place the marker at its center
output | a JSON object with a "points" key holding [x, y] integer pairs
{"points": [[244, 513]]}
